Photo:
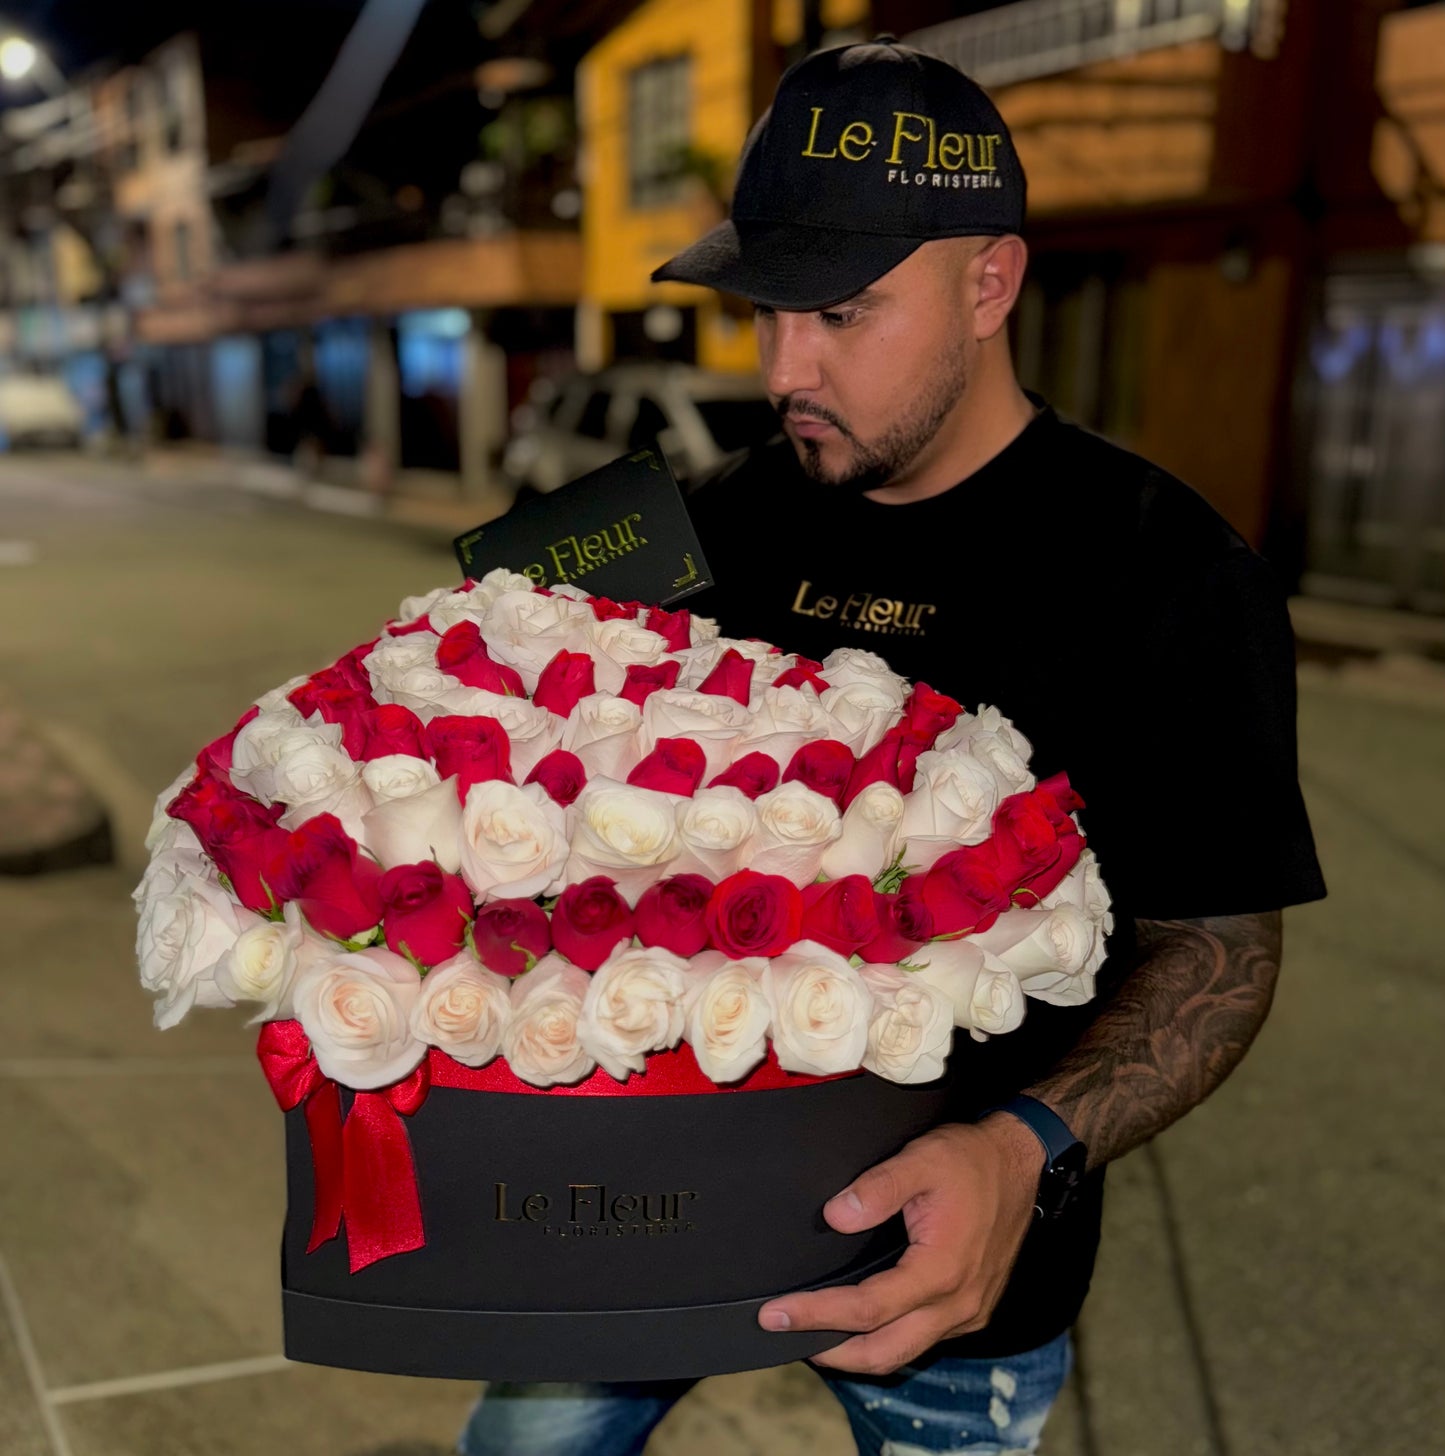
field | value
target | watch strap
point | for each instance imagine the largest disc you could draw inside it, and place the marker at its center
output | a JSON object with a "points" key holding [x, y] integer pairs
{"points": [[1045, 1124]]}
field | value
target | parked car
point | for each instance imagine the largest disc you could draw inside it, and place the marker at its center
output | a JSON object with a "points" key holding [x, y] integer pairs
{"points": [[39, 409], [697, 419]]}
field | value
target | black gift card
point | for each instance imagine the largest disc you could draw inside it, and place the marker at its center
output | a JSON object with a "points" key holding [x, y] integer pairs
{"points": [[620, 532]]}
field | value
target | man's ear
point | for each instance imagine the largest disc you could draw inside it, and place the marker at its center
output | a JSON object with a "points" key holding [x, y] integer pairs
{"points": [[998, 270]]}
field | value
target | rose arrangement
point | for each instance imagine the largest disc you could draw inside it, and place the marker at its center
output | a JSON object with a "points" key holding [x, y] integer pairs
{"points": [[574, 834]]}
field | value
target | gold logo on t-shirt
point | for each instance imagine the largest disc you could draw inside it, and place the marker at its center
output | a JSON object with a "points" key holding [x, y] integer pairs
{"points": [[864, 611]]}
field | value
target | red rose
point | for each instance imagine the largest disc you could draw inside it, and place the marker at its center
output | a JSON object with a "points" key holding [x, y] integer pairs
{"points": [[673, 914], [561, 774], [825, 766], [675, 766], [841, 914], [927, 714], [752, 914], [1025, 841], [643, 679], [215, 758], [405, 629], [753, 773], [606, 610], [878, 766], [568, 677], [1056, 795], [674, 627], [462, 653], [339, 888], [904, 923], [425, 911], [964, 891], [476, 750], [336, 702], [589, 921], [804, 673], [510, 935], [238, 832], [388, 729], [731, 678]]}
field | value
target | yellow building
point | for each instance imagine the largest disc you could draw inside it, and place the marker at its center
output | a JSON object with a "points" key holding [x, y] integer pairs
{"points": [[664, 105]]}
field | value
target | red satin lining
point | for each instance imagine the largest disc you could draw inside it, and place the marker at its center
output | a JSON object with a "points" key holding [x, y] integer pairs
{"points": [[669, 1074]]}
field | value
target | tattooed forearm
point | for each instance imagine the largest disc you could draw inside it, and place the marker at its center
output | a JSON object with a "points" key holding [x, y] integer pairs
{"points": [[1173, 1031]]}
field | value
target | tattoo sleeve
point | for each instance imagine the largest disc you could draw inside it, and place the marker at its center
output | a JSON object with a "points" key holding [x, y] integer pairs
{"points": [[1173, 1030]]}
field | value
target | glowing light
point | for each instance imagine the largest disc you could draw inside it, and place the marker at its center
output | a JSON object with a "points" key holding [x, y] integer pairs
{"points": [[17, 58]]}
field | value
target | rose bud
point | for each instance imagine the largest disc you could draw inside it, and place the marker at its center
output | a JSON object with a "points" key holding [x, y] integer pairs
{"points": [[215, 758], [752, 914], [566, 678], [511, 935], [1025, 840], [803, 673], [606, 610], [385, 730], [337, 703], [562, 775], [643, 679], [841, 914], [339, 889], [673, 914], [904, 924], [464, 655], [1056, 796], [731, 678], [675, 766], [238, 833], [674, 627], [964, 891], [825, 766], [926, 714], [754, 773], [878, 766], [589, 920], [425, 912], [476, 750]]}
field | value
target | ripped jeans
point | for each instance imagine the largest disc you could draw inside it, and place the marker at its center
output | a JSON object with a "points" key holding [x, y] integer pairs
{"points": [[968, 1407]]}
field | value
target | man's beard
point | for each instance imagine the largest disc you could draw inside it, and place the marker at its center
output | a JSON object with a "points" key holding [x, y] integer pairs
{"points": [[876, 463]]}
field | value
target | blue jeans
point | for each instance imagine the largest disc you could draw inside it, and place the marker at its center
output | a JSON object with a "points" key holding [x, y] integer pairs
{"points": [[965, 1407]]}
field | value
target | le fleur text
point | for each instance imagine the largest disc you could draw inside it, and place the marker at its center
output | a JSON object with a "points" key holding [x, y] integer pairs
{"points": [[592, 1210], [864, 612]]}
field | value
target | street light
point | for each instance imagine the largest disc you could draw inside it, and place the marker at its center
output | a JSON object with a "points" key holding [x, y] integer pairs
{"points": [[17, 58]]}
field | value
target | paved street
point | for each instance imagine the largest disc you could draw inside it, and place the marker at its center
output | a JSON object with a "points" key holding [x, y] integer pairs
{"points": [[1271, 1282]]}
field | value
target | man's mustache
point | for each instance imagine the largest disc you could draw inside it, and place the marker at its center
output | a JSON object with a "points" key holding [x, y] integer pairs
{"points": [[788, 407]]}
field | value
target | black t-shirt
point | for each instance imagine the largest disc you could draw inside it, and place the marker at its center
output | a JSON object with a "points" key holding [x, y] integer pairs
{"points": [[1127, 631]]}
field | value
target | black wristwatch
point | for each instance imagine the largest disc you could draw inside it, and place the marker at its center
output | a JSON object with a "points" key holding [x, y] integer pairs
{"points": [[1064, 1154]]}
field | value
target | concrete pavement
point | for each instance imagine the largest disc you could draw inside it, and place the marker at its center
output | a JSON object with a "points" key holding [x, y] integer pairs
{"points": [[1270, 1283]]}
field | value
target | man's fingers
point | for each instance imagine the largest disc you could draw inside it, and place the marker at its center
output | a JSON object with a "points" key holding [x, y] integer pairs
{"points": [[922, 1276], [880, 1192], [886, 1350]]}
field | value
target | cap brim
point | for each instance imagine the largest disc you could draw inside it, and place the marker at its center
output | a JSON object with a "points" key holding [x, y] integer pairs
{"points": [[786, 265]]}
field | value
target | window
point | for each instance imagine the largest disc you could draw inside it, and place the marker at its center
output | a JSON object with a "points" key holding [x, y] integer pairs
{"points": [[658, 131], [593, 423]]}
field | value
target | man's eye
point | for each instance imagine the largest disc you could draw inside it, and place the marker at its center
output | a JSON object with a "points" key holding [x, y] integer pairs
{"points": [[839, 318], [762, 310]]}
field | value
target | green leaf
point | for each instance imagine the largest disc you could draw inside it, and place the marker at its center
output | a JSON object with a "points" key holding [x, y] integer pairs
{"points": [[889, 880], [527, 955]]}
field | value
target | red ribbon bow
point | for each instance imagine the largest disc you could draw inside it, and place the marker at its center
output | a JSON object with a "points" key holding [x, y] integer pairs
{"points": [[363, 1167]]}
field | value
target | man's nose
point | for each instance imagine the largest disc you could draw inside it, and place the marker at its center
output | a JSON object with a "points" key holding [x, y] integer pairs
{"points": [[789, 355]]}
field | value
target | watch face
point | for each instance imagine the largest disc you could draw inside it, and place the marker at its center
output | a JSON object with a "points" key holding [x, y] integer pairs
{"points": [[1060, 1181]]}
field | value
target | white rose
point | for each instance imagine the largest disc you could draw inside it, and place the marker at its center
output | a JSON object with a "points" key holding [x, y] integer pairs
{"points": [[356, 1009], [494, 584], [322, 780], [726, 1015], [1084, 888], [162, 833], [703, 629], [796, 825], [188, 925], [869, 840], [525, 631], [952, 803], [715, 831], [622, 831], [701, 658], [715, 724], [633, 1006], [991, 738], [987, 998], [431, 693], [278, 699], [461, 606], [845, 666], [911, 1029], [615, 645], [784, 720], [398, 776], [605, 733], [463, 1009], [540, 1039], [819, 1008], [1055, 952], [513, 841], [393, 657], [422, 826], [266, 959], [267, 740], [862, 712], [413, 608]]}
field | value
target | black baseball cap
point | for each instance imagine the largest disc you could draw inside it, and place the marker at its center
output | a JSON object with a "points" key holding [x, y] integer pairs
{"points": [[867, 152]]}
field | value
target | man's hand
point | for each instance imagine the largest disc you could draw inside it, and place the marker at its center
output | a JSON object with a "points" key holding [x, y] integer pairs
{"points": [[967, 1197]]}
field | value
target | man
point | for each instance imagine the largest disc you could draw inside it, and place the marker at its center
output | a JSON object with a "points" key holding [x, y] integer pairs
{"points": [[924, 507]]}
